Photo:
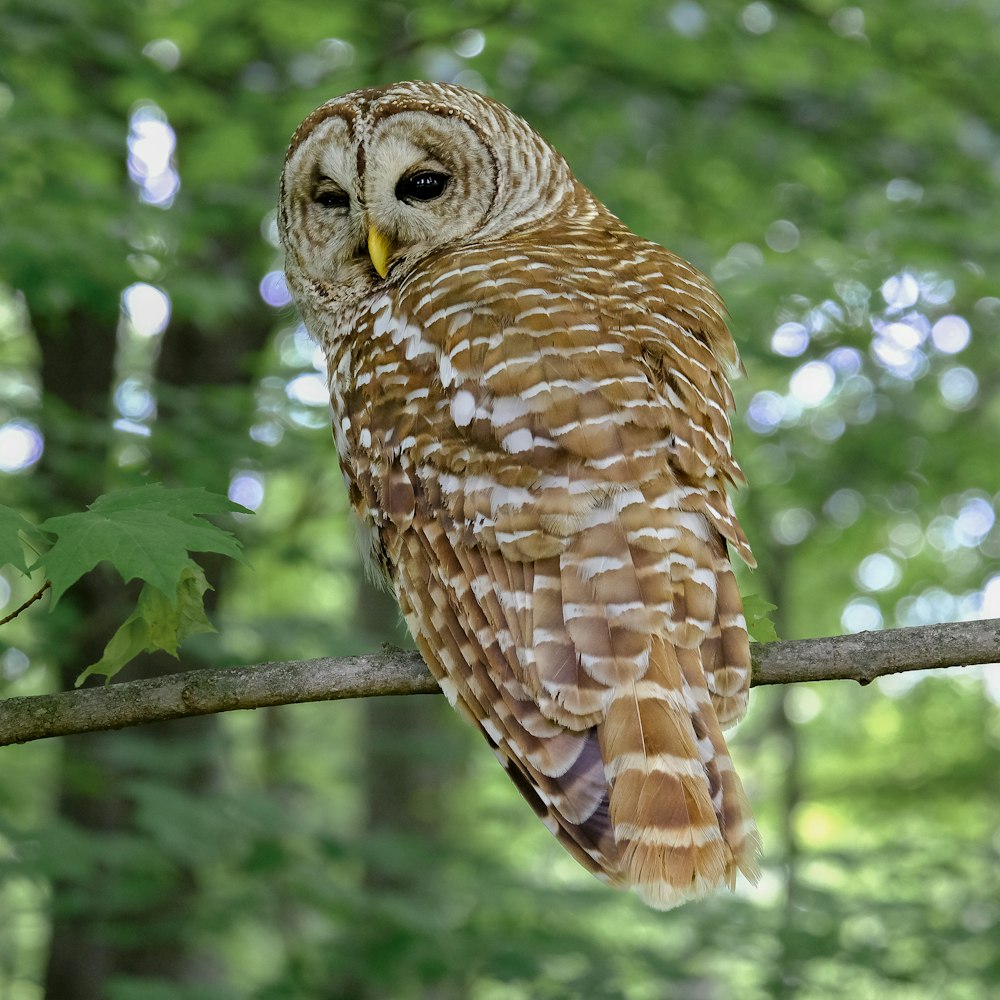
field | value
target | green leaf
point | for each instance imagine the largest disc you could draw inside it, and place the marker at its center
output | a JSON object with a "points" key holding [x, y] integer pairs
{"points": [[12, 526], [145, 533], [158, 622], [757, 612]]}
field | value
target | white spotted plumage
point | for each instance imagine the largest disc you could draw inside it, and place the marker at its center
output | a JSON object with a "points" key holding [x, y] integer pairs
{"points": [[531, 410]]}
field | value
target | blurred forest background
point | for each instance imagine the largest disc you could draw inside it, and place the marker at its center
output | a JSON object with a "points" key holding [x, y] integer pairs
{"points": [[835, 169]]}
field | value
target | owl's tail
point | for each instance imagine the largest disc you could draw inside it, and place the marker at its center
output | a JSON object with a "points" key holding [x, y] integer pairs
{"points": [[681, 819]]}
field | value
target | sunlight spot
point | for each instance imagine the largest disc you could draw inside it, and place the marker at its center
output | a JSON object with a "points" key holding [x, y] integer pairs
{"points": [[902, 335], [470, 43], [765, 412], [132, 456], [782, 236], [296, 348], [790, 340], [151, 143], [768, 891], [861, 614], [812, 383], [935, 289], [827, 316], [878, 572], [901, 291], [21, 446], [990, 603], [134, 401], [950, 334], [848, 22], [13, 663], [165, 52], [844, 507], [974, 521], [688, 18], [855, 294], [941, 533], [991, 684], [903, 189], [935, 604], [269, 229], [757, 18], [789, 527], [269, 434], [127, 426], [274, 291], [336, 52], [802, 704], [309, 389], [247, 488], [896, 347], [845, 360], [147, 308], [899, 685], [907, 538], [958, 387]]}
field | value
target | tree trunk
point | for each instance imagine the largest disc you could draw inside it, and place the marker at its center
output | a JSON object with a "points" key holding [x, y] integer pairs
{"points": [[129, 914]]}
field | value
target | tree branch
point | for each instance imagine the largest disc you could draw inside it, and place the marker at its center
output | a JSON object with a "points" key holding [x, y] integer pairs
{"points": [[37, 596], [861, 657]]}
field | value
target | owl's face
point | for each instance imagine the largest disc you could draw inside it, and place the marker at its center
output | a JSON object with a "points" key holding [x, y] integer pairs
{"points": [[378, 178]]}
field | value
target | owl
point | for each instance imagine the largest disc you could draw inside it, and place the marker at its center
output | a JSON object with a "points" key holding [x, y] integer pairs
{"points": [[530, 404]]}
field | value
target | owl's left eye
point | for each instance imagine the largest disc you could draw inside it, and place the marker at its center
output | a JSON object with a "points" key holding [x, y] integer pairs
{"points": [[423, 186], [331, 199]]}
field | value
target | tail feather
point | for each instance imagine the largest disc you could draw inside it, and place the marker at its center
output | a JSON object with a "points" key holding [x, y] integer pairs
{"points": [[677, 807]]}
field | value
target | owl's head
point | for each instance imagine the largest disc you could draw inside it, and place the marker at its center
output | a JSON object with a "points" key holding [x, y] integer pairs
{"points": [[378, 178]]}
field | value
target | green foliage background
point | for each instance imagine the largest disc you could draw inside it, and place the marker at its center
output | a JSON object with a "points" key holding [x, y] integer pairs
{"points": [[836, 170]]}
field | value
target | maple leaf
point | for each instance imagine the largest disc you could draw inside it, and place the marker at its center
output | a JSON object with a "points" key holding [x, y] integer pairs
{"points": [[158, 622], [145, 533], [757, 612], [12, 527]]}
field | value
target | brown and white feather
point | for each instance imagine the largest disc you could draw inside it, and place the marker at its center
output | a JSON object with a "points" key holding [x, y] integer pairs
{"points": [[531, 411]]}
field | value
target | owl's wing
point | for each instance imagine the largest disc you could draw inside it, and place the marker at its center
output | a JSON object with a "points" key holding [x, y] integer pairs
{"points": [[580, 604], [559, 771]]}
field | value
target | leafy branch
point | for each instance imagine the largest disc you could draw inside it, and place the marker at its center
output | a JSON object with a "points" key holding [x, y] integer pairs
{"points": [[36, 596], [147, 533], [861, 657]]}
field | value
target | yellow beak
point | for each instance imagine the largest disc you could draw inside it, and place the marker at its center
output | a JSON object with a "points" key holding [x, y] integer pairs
{"points": [[379, 249]]}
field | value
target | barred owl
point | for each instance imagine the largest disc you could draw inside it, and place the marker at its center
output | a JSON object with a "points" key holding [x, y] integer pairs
{"points": [[531, 410]]}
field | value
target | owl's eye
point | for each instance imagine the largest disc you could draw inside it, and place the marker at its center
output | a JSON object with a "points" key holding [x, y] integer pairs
{"points": [[423, 186], [332, 199]]}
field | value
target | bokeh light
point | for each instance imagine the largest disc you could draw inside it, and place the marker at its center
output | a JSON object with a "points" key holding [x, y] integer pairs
{"points": [[274, 291], [958, 387], [811, 383], [790, 340], [21, 445], [247, 488], [861, 614], [147, 309], [878, 572], [151, 144], [310, 389], [951, 334]]}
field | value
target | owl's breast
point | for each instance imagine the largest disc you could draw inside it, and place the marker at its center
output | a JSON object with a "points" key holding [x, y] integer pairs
{"points": [[384, 395], [509, 399]]}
